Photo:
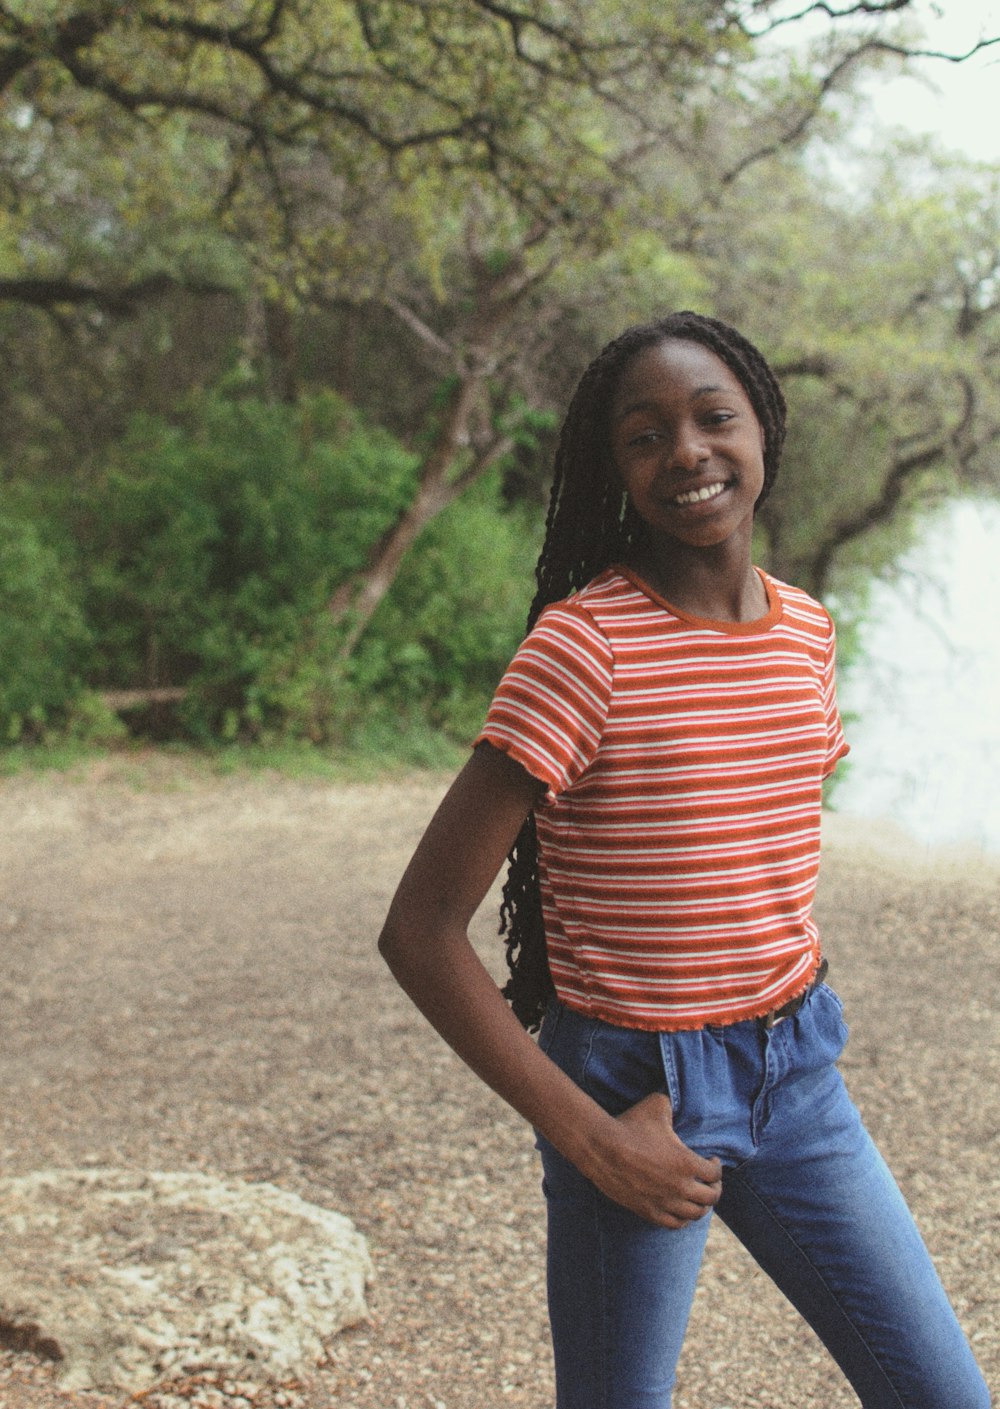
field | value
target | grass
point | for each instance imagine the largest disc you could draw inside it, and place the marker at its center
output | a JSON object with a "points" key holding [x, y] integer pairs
{"points": [[381, 749]]}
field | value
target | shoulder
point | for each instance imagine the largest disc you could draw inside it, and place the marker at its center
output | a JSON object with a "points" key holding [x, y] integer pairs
{"points": [[586, 617], [603, 605], [800, 608], [549, 709], [566, 643]]}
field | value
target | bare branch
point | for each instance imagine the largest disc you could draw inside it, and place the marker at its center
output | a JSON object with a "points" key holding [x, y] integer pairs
{"points": [[483, 461], [799, 127], [418, 326], [904, 468], [122, 700], [806, 366], [872, 7], [862, 7], [904, 52]]}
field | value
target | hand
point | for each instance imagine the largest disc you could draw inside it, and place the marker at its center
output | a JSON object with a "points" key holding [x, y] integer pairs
{"points": [[652, 1172]]}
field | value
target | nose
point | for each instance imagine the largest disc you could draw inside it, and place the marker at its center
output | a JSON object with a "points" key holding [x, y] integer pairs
{"points": [[689, 449]]}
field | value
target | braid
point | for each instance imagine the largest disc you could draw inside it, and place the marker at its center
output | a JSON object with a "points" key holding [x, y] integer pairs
{"points": [[589, 526]]}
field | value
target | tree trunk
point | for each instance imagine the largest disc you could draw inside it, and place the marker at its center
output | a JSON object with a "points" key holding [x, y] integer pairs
{"points": [[282, 352], [356, 600], [442, 480]]}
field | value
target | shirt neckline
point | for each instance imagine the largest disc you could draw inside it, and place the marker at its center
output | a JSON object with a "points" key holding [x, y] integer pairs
{"points": [[729, 628]]}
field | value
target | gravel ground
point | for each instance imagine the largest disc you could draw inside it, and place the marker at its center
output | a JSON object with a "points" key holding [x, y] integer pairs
{"points": [[191, 984]]}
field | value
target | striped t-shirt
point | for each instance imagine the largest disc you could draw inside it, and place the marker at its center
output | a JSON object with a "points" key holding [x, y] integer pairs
{"points": [[679, 831]]}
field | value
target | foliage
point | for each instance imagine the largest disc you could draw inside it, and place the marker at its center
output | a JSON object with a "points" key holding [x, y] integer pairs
{"points": [[42, 634], [214, 544], [877, 303], [215, 541], [443, 210], [455, 615], [206, 142]]}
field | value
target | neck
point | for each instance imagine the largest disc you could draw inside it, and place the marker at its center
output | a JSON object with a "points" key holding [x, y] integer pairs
{"points": [[716, 583]]}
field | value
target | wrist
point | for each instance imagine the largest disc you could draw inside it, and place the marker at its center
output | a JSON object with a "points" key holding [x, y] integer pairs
{"points": [[587, 1136]]}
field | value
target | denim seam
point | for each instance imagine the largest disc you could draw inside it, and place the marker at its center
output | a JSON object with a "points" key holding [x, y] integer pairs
{"points": [[830, 1291], [554, 1015], [585, 1064], [670, 1074], [603, 1263]]}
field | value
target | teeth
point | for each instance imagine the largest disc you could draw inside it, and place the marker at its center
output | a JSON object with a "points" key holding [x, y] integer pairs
{"points": [[695, 496]]}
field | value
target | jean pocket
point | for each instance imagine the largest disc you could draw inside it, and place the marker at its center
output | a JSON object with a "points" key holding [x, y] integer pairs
{"points": [[829, 1030], [832, 993], [621, 1067]]}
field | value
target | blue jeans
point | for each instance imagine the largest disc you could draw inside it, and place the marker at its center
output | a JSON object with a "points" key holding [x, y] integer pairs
{"points": [[804, 1189]]}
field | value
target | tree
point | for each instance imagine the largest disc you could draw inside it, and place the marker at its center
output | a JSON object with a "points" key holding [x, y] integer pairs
{"points": [[878, 303], [471, 166]]}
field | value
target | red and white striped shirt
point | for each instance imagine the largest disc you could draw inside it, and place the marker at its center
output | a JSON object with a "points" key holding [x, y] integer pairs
{"points": [[679, 831]]}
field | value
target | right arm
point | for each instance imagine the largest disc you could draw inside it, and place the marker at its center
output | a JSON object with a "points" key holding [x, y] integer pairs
{"points": [[635, 1158]]}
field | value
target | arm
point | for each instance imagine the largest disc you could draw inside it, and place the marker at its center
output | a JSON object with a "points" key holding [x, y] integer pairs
{"points": [[636, 1159]]}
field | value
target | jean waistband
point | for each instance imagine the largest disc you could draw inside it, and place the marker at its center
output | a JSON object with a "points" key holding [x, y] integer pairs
{"points": [[789, 1009]]}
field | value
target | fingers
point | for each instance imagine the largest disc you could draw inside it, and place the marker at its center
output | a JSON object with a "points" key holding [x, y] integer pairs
{"points": [[691, 1202], [657, 1108], [706, 1171], [673, 1185], [678, 1213]]}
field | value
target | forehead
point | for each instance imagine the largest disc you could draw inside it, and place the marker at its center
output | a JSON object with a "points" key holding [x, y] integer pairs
{"points": [[673, 370]]}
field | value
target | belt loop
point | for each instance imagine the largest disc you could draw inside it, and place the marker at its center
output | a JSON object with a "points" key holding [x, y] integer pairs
{"points": [[789, 1009]]}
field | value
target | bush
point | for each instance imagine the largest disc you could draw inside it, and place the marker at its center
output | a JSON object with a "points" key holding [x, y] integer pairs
{"points": [[43, 637], [455, 615], [209, 547], [216, 543]]}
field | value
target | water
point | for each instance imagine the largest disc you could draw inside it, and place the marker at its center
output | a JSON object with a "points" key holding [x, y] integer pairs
{"points": [[925, 742]]}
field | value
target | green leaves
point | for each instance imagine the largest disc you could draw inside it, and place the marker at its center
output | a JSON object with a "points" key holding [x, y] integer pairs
{"points": [[43, 637], [214, 544]]}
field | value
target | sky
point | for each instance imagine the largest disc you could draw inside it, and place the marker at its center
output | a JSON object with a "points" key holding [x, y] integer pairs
{"points": [[959, 103]]}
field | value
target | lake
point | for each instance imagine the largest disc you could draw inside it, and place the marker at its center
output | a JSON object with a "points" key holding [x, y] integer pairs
{"points": [[925, 701]]}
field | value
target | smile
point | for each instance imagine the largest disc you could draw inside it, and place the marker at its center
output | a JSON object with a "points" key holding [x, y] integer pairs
{"points": [[698, 496]]}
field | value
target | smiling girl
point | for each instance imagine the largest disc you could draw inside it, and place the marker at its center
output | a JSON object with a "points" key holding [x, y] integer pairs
{"points": [[653, 761]]}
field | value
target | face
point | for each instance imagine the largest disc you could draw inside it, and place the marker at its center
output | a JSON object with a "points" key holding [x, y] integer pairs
{"points": [[687, 444]]}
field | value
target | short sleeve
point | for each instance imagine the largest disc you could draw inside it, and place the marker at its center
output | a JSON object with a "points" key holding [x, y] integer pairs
{"points": [[549, 709], [836, 744]]}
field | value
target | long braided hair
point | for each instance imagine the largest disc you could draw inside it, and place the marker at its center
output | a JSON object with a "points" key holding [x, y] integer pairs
{"points": [[589, 526]]}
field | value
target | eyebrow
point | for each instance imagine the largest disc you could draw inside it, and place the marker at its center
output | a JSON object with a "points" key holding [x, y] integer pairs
{"points": [[634, 406]]}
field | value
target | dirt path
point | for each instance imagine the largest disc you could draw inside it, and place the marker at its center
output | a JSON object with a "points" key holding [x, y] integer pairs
{"points": [[191, 983]]}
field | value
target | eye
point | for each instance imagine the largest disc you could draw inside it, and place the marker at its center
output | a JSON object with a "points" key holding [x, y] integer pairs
{"points": [[643, 438], [718, 418]]}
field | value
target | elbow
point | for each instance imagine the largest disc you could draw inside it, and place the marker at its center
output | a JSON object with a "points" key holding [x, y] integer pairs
{"points": [[390, 942], [397, 944], [413, 943]]}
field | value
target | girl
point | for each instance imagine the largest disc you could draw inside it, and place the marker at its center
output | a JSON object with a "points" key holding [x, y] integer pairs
{"points": [[654, 757]]}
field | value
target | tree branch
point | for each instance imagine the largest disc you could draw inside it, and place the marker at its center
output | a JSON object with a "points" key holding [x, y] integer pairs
{"points": [[121, 301], [798, 128], [902, 471], [862, 7], [815, 365], [418, 326]]}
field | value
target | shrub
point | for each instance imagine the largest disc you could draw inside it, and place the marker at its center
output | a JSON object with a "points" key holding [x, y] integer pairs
{"points": [[42, 634], [215, 545], [455, 615]]}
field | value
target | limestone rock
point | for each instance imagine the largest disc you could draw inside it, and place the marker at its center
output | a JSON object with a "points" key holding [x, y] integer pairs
{"points": [[129, 1277]]}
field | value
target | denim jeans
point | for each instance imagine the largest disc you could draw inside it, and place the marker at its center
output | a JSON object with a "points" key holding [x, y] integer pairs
{"points": [[804, 1189]]}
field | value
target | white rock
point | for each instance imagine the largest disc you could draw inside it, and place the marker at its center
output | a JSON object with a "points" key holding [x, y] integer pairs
{"points": [[132, 1276]]}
